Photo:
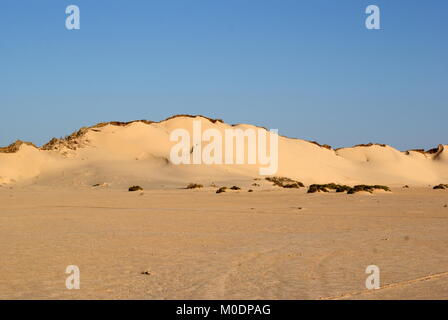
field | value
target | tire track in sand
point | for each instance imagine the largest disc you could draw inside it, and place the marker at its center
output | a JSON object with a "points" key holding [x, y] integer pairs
{"points": [[388, 286]]}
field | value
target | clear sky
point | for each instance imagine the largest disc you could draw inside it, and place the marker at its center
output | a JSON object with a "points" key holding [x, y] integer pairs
{"points": [[308, 68]]}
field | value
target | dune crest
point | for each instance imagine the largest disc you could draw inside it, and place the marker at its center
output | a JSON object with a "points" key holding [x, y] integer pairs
{"points": [[120, 153]]}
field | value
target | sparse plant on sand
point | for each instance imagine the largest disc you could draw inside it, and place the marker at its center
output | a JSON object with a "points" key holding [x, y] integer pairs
{"points": [[344, 188], [135, 188], [235, 188], [250, 190], [284, 182], [194, 186], [441, 186], [221, 190], [326, 187], [366, 188], [104, 184]]}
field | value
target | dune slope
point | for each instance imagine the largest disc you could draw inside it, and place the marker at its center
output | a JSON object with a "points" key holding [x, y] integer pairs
{"points": [[118, 154]]}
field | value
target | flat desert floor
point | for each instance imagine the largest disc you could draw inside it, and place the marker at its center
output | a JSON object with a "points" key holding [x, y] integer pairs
{"points": [[196, 244]]}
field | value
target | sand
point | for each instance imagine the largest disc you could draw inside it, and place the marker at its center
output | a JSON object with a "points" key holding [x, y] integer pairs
{"points": [[273, 243]]}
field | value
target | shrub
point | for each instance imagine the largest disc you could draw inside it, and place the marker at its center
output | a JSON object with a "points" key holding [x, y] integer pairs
{"points": [[317, 188], [367, 188], [441, 186], [135, 188], [344, 188], [221, 190], [295, 185], [385, 188], [235, 188], [324, 187], [194, 186], [285, 182]]}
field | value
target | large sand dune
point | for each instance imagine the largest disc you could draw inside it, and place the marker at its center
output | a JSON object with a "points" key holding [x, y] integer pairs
{"points": [[138, 152], [272, 243]]}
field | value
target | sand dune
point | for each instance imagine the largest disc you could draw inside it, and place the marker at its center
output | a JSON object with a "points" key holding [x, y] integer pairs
{"points": [[272, 243], [138, 152]]}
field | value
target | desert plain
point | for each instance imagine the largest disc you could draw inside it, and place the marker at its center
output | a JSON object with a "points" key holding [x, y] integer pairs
{"points": [[196, 244]]}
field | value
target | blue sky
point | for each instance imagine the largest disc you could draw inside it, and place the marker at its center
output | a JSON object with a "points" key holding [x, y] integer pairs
{"points": [[309, 68]]}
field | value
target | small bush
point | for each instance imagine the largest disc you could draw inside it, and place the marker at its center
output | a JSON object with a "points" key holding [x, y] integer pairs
{"points": [[235, 188], [284, 182], [295, 185], [344, 188], [317, 188], [221, 190], [441, 186], [135, 188], [250, 190], [325, 187], [367, 188], [385, 188], [194, 186]]}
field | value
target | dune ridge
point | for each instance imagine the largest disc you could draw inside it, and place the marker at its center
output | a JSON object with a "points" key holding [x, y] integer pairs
{"points": [[122, 153]]}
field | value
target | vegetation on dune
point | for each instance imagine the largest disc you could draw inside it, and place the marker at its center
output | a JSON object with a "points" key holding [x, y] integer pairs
{"points": [[370, 144], [326, 187], [284, 182], [344, 188], [441, 186], [135, 188], [221, 190], [370, 189], [326, 146], [224, 189], [14, 147], [194, 186], [294, 185]]}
